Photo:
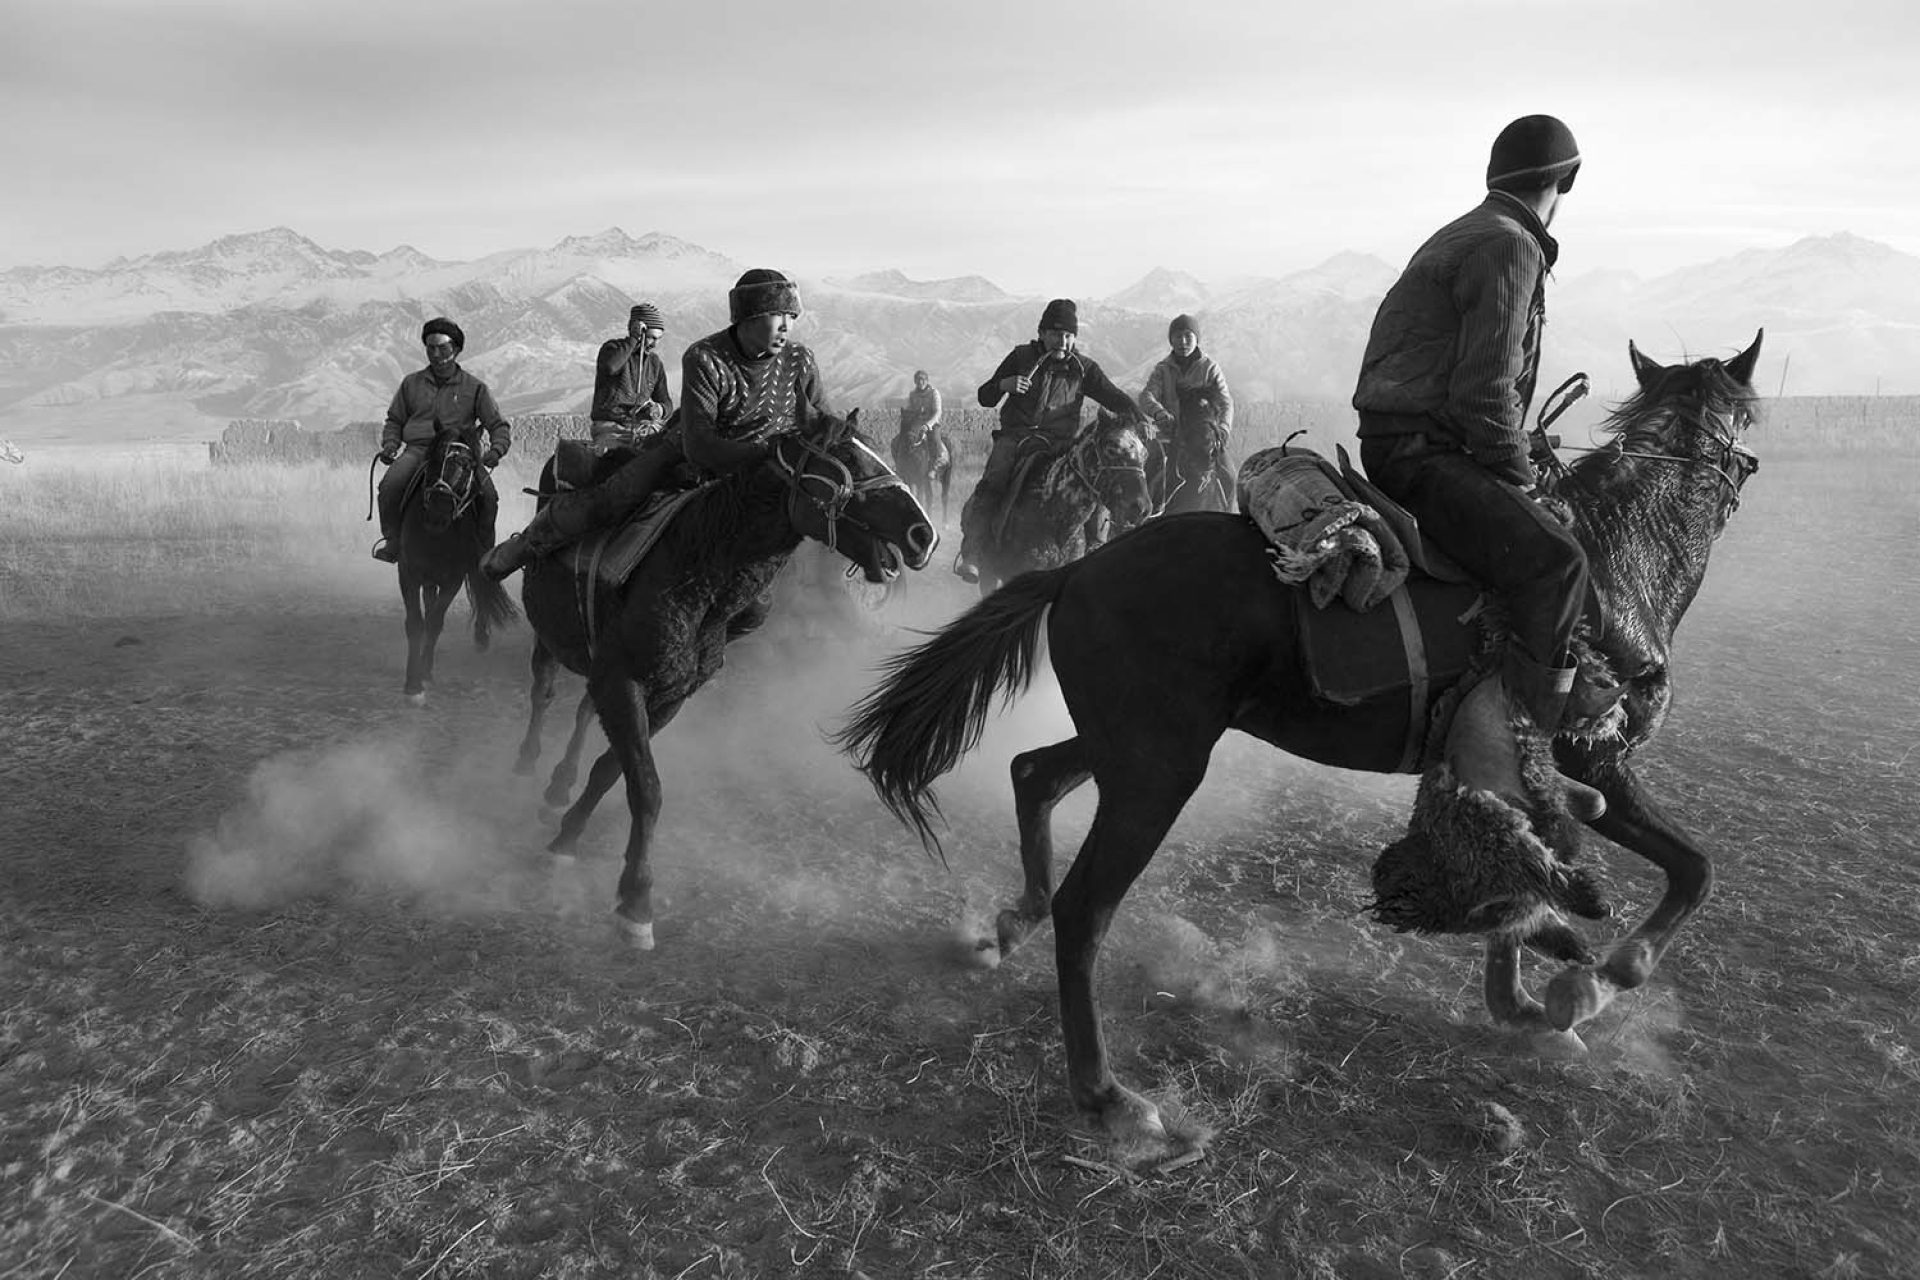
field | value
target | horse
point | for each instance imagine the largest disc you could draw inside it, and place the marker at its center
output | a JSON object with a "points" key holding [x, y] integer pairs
{"points": [[661, 635], [9, 452], [1047, 520], [1167, 637], [923, 460], [440, 550], [1192, 472]]}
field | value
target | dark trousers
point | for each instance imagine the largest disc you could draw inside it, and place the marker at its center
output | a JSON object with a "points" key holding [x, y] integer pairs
{"points": [[990, 491], [1505, 539], [393, 491], [572, 515]]}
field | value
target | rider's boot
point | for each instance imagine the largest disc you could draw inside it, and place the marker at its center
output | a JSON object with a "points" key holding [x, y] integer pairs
{"points": [[521, 549], [1484, 752], [1558, 697]]}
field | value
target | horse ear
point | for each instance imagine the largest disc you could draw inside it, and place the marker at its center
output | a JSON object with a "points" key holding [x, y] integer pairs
{"points": [[853, 418], [1741, 366], [1644, 370]]}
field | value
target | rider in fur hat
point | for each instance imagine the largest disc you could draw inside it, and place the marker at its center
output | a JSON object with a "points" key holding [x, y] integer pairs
{"points": [[1443, 394], [738, 387], [440, 397]]}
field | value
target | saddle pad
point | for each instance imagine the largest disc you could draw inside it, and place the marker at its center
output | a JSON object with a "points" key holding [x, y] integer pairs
{"points": [[1410, 651], [609, 559]]}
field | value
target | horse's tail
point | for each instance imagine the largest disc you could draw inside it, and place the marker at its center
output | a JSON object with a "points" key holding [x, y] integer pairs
{"points": [[930, 707], [492, 606]]}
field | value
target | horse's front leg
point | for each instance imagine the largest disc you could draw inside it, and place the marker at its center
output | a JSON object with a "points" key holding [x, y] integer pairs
{"points": [[416, 686], [560, 785], [622, 704], [539, 698], [1633, 821], [439, 600]]}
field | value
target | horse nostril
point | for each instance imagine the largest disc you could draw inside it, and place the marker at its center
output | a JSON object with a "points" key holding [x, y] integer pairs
{"points": [[921, 538]]}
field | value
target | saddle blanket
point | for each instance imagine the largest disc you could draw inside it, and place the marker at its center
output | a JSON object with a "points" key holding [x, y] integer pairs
{"points": [[606, 560]]}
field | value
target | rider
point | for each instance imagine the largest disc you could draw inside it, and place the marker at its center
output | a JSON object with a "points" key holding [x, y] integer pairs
{"points": [[1443, 394], [1039, 387], [738, 387], [1184, 369], [630, 396], [922, 416], [440, 397]]}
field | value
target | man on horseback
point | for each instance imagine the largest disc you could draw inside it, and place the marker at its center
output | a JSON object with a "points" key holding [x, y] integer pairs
{"points": [[1443, 395], [921, 417], [738, 388], [1039, 388], [1184, 370], [440, 397], [630, 396]]}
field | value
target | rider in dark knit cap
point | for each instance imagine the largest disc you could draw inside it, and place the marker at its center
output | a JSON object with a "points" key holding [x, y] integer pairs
{"points": [[440, 397], [1443, 395], [1039, 387], [630, 396]]}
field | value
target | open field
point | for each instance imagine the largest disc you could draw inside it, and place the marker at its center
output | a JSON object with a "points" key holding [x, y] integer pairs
{"points": [[286, 988]]}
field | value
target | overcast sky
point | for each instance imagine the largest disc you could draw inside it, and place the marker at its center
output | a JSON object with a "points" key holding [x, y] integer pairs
{"points": [[1052, 148]]}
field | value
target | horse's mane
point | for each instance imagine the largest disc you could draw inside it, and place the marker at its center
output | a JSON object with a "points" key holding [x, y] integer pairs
{"points": [[717, 518], [1659, 417]]}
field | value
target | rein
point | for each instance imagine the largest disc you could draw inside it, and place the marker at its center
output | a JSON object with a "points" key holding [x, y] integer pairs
{"points": [[1732, 454], [841, 487]]}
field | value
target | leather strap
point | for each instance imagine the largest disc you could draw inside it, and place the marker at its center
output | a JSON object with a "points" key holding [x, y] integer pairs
{"points": [[1418, 682]]}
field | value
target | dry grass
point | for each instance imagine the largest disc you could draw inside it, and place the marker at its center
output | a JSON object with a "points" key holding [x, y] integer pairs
{"points": [[459, 1074]]}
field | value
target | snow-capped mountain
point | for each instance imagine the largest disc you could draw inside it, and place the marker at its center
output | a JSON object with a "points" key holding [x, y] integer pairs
{"points": [[270, 324]]}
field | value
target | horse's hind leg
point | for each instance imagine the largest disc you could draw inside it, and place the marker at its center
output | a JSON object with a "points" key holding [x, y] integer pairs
{"points": [[600, 780], [560, 786], [623, 714], [1041, 779], [539, 698]]}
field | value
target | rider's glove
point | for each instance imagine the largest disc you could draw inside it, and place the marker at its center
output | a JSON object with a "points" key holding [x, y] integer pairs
{"points": [[388, 455], [490, 459]]}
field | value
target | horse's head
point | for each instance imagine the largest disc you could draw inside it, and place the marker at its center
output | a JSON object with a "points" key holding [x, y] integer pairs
{"points": [[448, 482], [1110, 458], [1693, 415], [843, 494]]}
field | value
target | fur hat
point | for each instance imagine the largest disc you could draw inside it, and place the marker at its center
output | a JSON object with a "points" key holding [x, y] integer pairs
{"points": [[647, 314], [446, 327], [1533, 152], [1184, 322], [762, 292], [1061, 314]]}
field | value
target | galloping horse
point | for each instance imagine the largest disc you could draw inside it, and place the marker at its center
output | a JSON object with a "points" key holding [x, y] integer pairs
{"points": [[1194, 474], [1166, 638], [1045, 524], [440, 550], [924, 461], [662, 634]]}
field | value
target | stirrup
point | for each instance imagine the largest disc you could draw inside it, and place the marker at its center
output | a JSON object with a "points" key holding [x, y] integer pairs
{"points": [[385, 552]]}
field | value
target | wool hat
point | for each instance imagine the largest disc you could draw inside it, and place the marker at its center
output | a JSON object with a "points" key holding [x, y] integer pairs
{"points": [[1061, 314], [647, 314], [1533, 152], [1183, 322], [445, 327], [761, 292]]}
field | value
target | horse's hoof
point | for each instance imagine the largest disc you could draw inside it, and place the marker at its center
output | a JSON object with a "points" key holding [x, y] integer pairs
{"points": [[417, 698], [1558, 1046], [1574, 996], [639, 936]]}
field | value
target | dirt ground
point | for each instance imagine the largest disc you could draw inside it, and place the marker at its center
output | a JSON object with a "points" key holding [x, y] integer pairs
{"points": [[289, 988]]}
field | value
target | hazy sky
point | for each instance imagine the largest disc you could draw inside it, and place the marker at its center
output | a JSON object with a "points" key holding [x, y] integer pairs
{"points": [[1052, 148]]}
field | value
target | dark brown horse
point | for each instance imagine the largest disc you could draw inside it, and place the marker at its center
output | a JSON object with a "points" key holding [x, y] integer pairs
{"points": [[440, 550], [925, 462], [1173, 634], [1103, 468], [662, 634], [1191, 472]]}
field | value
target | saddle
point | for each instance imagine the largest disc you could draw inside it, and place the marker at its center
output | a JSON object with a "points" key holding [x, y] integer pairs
{"points": [[1031, 450]]}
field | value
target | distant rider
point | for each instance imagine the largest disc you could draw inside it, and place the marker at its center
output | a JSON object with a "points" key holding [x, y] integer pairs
{"points": [[1039, 387], [1185, 368], [922, 415], [630, 396], [440, 397], [738, 388]]}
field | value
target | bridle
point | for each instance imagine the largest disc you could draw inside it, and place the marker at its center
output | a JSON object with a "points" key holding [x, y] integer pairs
{"points": [[455, 453], [834, 492], [1733, 455], [1087, 438]]}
